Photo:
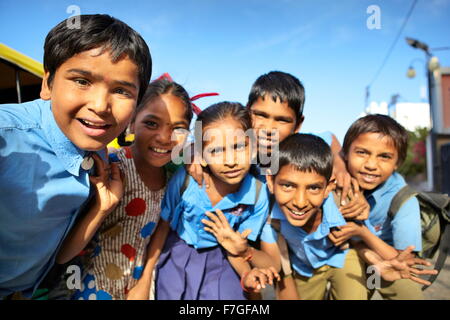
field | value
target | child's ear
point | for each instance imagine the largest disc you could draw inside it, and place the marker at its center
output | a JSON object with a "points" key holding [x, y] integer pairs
{"points": [[270, 182], [46, 90], [299, 124], [203, 163]]}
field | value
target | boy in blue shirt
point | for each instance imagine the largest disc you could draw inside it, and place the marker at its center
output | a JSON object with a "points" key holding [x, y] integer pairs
{"points": [[94, 77], [307, 215], [374, 147]]}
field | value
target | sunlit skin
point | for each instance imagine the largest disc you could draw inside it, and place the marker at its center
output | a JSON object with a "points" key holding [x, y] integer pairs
{"points": [[158, 127], [273, 121], [300, 196], [93, 98], [227, 153], [371, 159]]}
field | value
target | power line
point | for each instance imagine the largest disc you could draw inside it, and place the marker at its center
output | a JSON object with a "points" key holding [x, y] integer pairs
{"points": [[405, 21]]}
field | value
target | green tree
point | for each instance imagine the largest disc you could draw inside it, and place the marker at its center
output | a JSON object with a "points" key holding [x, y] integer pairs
{"points": [[415, 162]]}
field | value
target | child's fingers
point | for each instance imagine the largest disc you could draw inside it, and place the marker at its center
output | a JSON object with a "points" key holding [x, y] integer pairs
{"points": [[99, 165], [207, 229], [405, 253], [222, 217], [419, 261], [422, 271], [355, 186], [275, 273], [343, 182], [420, 281], [214, 218], [209, 224], [246, 233], [115, 172]]}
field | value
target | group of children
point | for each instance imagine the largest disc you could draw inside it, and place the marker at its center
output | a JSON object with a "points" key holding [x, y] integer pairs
{"points": [[260, 204]]}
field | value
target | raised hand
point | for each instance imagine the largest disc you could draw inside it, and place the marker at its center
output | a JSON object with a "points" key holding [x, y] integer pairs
{"points": [[233, 241], [108, 185]]}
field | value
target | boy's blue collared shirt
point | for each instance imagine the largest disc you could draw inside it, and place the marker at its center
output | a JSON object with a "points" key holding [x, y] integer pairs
{"points": [[314, 250], [42, 188], [185, 214], [405, 229]]}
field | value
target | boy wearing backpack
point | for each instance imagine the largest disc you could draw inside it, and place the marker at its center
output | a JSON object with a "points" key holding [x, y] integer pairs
{"points": [[374, 147]]}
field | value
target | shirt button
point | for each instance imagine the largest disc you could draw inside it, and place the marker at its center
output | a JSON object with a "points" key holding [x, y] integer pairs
{"points": [[88, 163]]}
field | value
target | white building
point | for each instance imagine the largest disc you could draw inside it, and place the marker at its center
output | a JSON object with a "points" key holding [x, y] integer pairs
{"points": [[411, 115]]}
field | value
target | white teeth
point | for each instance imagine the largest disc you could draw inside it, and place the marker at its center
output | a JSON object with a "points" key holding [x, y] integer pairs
{"points": [[93, 124], [160, 150], [298, 213]]}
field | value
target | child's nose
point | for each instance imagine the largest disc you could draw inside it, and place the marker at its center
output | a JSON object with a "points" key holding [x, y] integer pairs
{"points": [[99, 101], [371, 163], [300, 200]]}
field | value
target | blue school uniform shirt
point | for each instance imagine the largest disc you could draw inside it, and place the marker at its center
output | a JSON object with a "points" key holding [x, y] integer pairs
{"points": [[186, 212], [308, 252], [41, 190], [405, 229]]}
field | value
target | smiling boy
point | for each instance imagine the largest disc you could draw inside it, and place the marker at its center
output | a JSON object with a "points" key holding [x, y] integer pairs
{"points": [[94, 77], [374, 147], [307, 215]]}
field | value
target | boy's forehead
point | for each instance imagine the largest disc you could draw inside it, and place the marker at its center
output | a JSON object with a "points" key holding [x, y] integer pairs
{"points": [[375, 140], [290, 172], [268, 105]]}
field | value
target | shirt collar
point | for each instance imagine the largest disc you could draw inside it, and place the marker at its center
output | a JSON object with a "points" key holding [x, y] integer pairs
{"points": [[70, 155], [331, 217], [393, 180], [245, 195]]}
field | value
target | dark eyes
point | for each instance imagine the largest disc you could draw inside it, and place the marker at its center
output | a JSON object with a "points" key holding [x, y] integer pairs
{"points": [[81, 82]]}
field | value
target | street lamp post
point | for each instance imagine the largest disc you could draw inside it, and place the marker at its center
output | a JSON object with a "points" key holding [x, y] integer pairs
{"points": [[431, 65]]}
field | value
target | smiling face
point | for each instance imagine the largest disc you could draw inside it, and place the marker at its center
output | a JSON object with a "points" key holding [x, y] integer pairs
{"points": [[273, 122], [226, 151], [299, 195], [371, 159], [158, 127], [92, 97]]}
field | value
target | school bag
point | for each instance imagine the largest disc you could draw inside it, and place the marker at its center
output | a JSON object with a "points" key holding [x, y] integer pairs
{"points": [[435, 222]]}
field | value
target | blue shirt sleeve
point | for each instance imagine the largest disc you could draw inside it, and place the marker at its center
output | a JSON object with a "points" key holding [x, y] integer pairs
{"points": [[257, 219], [172, 198], [269, 234], [406, 226]]}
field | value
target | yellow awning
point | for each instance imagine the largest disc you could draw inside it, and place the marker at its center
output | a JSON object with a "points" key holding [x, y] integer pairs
{"points": [[21, 60]]}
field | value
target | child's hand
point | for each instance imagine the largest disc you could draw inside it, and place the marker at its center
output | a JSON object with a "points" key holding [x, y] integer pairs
{"points": [[341, 178], [108, 185], [257, 278], [358, 208], [401, 267], [195, 169], [232, 241], [341, 234]]}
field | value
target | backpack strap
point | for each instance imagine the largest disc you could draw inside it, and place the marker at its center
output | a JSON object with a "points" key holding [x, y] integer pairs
{"points": [[282, 245], [444, 248], [403, 195], [184, 185]]}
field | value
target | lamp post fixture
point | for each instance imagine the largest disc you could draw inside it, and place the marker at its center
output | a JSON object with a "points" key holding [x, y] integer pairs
{"points": [[431, 65]]}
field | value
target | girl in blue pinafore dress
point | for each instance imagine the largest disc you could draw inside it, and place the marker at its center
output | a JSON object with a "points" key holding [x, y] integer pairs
{"points": [[192, 265]]}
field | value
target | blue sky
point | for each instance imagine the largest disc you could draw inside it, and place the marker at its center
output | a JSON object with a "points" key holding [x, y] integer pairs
{"points": [[223, 46]]}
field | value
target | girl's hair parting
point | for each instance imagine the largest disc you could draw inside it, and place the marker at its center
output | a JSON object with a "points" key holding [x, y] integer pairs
{"points": [[224, 110], [378, 123]]}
